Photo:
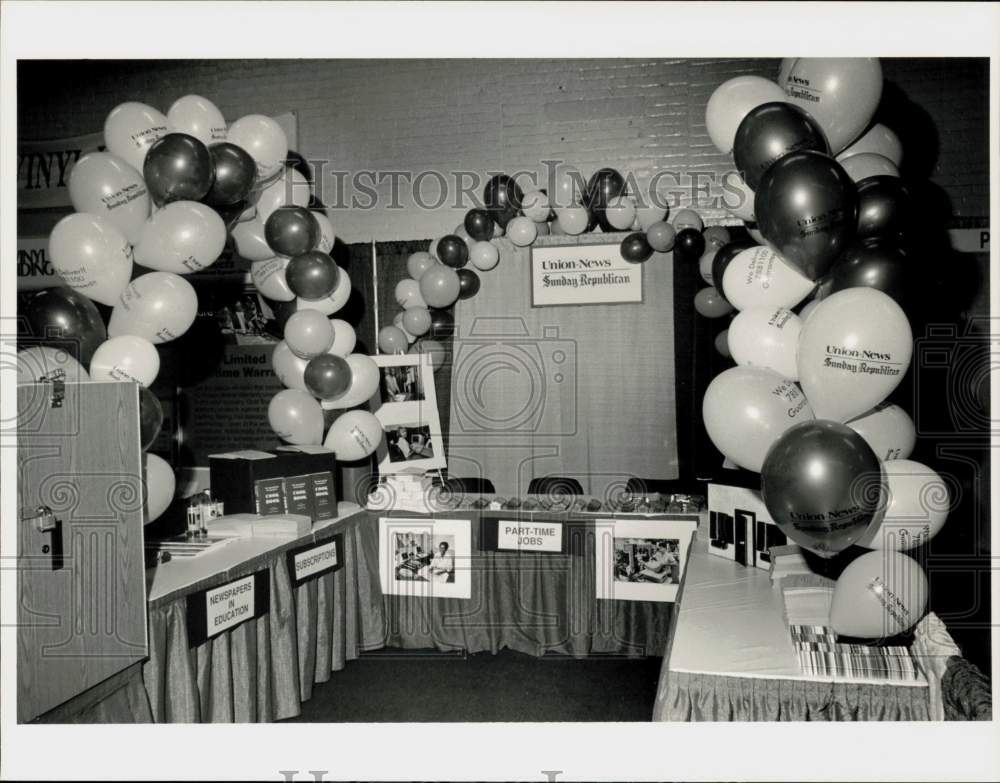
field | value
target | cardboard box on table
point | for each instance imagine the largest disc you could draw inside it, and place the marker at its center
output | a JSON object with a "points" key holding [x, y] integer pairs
{"points": [[740, 526], [288, 480]]}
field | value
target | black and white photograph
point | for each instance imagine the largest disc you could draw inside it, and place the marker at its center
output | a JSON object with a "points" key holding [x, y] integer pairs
{"points": [[401, 383], [540, 385], [423, 560], [653, 560], [409, 442]]}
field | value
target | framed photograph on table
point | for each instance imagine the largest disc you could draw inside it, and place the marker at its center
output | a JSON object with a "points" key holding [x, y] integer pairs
{"points": [[425, 558], [406, 405], [642, 559]]}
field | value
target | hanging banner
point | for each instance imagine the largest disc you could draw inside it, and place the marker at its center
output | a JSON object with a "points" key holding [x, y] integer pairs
{"points": [[34, 267], [43, 169], [583, 274]]}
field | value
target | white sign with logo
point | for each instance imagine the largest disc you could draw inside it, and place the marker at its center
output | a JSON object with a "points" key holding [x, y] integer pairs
{"points": [[583, 274], [312, 561], [229, 605], [530, 537]]}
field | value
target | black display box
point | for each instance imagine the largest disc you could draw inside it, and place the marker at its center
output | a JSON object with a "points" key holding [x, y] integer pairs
{"points": [[249, 482]]}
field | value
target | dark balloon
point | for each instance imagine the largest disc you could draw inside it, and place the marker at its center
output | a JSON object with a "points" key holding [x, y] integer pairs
{"points": [[690, 243], [604, 185], [770, 132], [150, 417], [884, 207], [65, 319], [235, 175], [291, 231], [871, 265], [327, 376], [442, 323], [479, 224], [723, 257], [312, 275], [807, 210], [468, 282], [502, 195], [452, 251], [822, 484], [503, 217], [178, 167], [635, 248]]}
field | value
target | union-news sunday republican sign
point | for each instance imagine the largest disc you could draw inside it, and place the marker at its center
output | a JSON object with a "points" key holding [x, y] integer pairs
{"points": [[583, 274]]}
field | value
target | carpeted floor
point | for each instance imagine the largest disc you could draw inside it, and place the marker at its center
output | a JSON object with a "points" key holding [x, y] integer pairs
{"points": [[418, 686]]}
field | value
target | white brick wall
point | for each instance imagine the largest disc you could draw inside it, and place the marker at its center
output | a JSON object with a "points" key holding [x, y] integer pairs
{"points": [[641, 116]]}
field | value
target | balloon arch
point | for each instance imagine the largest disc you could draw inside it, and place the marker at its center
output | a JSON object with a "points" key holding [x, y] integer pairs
{"points": [[819, 337]]}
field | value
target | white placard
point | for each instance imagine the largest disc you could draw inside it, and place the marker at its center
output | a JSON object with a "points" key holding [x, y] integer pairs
{"points": [[641, 559], [425, 558], [583, 274], [530, 537], [229, 605], [318, 558]]}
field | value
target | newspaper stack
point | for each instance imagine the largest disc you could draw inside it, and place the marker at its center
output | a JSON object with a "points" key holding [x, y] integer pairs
{"points": [[403, 492], [257, 526]]}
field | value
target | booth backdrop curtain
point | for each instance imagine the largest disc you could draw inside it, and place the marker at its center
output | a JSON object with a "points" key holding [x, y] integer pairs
{"points": [[581, 391]]}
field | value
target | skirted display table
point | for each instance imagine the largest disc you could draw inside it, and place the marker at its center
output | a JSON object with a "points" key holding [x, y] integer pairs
{"points": [[730, 658], [263, 668]]}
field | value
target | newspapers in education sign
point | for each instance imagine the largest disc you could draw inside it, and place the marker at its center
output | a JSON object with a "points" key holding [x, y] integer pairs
{"points": [[583, 274]]}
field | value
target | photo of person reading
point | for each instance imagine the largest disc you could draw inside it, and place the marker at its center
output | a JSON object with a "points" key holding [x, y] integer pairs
{"points": [[407, 443], [647, 560]]}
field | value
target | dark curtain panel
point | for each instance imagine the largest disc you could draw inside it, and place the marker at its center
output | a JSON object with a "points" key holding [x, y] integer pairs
{"points": [[359, 311], [390, 268]]}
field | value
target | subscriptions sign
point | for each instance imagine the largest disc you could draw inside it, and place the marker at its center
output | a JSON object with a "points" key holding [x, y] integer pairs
{"points": [[583, 274]]}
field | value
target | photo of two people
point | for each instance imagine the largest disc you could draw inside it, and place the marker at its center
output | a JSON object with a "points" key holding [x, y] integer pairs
{"points": [[655, 560], [409, 442]]}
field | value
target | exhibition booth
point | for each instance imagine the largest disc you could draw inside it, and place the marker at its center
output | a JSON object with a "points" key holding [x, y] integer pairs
{"points": [[716, 393]]}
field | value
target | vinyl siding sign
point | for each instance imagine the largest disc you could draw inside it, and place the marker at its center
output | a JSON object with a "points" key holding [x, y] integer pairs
{"points": [[583, 274]]}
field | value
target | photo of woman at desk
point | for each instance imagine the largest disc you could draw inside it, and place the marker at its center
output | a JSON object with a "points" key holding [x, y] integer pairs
{"points": [[647, 560]]}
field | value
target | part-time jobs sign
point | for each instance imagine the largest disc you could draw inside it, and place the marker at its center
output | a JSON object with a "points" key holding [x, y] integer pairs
{"points": [[583, 274]]}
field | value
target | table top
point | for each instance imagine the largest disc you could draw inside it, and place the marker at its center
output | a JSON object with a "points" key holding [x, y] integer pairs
{"points": [[232, 559], [730, 623]]}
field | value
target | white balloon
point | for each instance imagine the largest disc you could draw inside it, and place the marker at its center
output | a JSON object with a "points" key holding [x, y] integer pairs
{"points": [[853, 352], [620, 212], [159, 306], [182, 237], [103, 184], [879, 139], [758, 277], [535, 206], [265, 142], [808, 310], [269, 278], [484, 255], [572, 220], [92, 256], [354, 435], [344, 338], [766, 337], [43, 363], [888, 429], [915, 504], [198, 117], [567, 187], [522, 231], [251, 243], [408, 294], [328, 305], [125, 358], [397, 321], [289, 368], [290, 188], [327, 236], [731, 102], [160, 485], [746, 409], [131, 129]]}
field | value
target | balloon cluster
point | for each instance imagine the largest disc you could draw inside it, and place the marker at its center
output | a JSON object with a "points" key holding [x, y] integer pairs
{"points": [[806, 404]]}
